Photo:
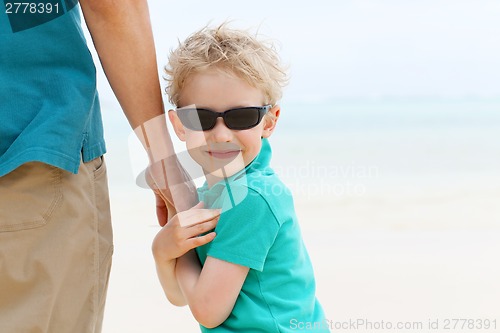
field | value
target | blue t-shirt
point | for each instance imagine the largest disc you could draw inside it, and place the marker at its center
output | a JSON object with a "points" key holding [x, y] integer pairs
{"points": [[49, 107], [258, 229]]}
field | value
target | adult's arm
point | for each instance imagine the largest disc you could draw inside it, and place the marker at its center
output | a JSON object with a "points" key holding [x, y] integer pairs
{"points": [[122, 35]]}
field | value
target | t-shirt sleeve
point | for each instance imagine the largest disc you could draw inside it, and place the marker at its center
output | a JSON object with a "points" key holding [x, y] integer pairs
{"points": [[246, 232]]}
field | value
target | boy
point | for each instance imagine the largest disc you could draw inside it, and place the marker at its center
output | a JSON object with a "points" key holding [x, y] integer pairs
{"points": [[255, 273]]}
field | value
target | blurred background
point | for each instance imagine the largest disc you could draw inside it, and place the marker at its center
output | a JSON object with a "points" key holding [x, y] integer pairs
{"points": [[389, 140]]}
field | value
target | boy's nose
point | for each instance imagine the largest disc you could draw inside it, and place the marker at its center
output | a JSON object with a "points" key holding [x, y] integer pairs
{"points": [[220, 133]]}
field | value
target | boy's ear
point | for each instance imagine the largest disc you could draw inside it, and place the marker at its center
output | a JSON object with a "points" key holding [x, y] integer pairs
{"points": [[177, 125], [270, 122]]}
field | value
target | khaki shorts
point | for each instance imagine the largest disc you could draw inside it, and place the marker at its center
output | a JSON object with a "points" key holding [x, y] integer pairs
{"points": [[55, 248]]}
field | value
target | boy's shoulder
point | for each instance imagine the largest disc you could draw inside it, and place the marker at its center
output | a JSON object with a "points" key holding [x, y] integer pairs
{"points": [[268, 185]]}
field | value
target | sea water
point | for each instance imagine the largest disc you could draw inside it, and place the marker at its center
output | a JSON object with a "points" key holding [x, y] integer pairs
{"points": [[410, 139]]}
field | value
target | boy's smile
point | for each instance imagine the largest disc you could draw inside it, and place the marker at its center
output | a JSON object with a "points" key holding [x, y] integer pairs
{"points": [[221, 147], [224, 154]]}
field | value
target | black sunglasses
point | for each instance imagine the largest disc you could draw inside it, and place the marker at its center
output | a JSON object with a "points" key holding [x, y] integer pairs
{"points": [[236, 119]]}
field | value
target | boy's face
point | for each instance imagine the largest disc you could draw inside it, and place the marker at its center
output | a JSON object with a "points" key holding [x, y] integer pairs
{"points": [[221, 148]]}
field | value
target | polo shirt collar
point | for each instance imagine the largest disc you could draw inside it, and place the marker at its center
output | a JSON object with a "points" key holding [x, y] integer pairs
{"points": [[259, 164]]}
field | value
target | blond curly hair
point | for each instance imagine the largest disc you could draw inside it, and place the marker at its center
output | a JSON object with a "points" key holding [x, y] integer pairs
{"points": [[233, 51]]}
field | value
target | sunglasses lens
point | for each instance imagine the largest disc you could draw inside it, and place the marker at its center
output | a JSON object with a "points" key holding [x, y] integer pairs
{"points": [[207, 119], [236, 119], [240, 119], [197, 119]]}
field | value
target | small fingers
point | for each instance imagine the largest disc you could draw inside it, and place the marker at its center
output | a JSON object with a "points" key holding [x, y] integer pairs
{"points": [[201, 228], [201, 240], [196, 216]]}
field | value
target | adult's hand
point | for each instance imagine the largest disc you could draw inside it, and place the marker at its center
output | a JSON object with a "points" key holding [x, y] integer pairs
{"points": [[173, 188]]}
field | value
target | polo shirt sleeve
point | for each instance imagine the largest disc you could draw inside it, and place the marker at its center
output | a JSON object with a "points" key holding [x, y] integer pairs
{"points": [[246, 232]]}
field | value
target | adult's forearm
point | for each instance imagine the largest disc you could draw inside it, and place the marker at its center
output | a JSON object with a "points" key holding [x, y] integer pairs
{"points": [[122, 35]]}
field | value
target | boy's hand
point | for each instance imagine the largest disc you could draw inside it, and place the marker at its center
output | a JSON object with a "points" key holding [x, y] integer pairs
{"points": [[181, 233]]}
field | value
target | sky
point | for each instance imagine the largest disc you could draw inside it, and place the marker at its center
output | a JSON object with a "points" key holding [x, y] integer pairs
{"points": [[360, 48]]}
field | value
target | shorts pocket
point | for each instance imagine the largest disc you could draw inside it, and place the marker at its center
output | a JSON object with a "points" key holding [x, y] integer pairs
{"points": [[97, 166], [29, 195]]}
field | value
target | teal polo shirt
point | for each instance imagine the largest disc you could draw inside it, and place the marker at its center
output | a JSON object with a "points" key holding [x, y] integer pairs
{"points": [[49, 107], [258, 229]]}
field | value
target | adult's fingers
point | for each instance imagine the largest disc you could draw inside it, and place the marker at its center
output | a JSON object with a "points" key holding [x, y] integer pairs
{"points": [[174, 184], [161, 210]]}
